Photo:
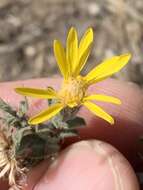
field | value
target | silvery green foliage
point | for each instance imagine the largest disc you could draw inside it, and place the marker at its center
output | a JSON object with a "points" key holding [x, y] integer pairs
{"points": [[35, 143]]}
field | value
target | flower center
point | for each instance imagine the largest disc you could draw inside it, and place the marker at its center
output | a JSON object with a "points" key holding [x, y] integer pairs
{"points": [[72, 91]]}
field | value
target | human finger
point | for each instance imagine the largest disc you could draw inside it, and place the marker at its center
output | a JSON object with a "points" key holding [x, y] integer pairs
{"points": [[88, 165], [128, 116]]}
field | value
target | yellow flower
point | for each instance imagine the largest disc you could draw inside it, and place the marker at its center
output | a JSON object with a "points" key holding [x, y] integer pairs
{"points": [[73, 91]]}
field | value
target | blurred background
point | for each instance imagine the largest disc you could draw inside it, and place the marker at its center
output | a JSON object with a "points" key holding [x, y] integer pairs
{"points": [[28, 28]]}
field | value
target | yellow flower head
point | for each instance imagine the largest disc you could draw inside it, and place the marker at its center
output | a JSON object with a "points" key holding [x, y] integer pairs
{"points": [[73, 91]]}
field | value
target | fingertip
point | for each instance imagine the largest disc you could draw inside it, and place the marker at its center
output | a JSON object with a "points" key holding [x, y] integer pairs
{"points": [[89, 165]]}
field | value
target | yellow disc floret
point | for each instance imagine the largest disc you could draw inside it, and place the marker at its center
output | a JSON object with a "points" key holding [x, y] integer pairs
{"points": [[72, 91]]}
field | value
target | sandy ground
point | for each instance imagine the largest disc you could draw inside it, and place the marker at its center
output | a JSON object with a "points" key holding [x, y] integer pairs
{"points": [[28, 28]]}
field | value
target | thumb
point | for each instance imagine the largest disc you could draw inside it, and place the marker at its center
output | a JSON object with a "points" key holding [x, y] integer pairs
{"points": [[89, 165]]}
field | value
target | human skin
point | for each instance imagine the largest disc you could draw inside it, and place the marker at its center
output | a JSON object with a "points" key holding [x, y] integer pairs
{"points": [[91, 164]]}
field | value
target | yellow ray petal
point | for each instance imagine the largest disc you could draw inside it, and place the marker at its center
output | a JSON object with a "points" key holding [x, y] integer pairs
{"points": [[82, 61], [37, 93], [72, 49], [103, 98], [46, 114], [86, 40], [107, 68], [84, 49], [61, 58], [98, 111]]}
